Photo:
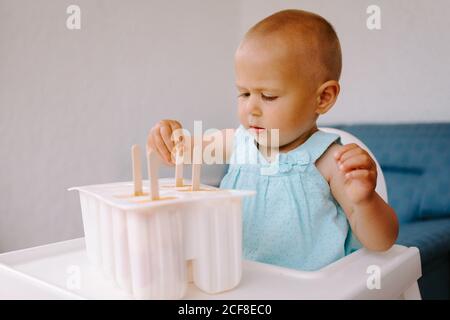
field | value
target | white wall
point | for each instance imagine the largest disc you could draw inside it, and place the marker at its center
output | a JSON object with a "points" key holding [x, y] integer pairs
{"points": [[397, 74], [73, 102]]}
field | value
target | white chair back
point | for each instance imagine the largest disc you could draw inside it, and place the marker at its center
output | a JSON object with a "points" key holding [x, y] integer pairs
{"points": [[347, 138]]}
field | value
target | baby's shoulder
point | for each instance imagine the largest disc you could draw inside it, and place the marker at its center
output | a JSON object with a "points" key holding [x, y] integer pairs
{"points": [[326, 163]]}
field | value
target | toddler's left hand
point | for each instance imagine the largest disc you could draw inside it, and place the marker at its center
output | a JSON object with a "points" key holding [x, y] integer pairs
{"points": [[360, 172]]}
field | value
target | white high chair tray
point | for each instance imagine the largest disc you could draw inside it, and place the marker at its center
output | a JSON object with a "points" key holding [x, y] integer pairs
{"points": [[62, 271]]}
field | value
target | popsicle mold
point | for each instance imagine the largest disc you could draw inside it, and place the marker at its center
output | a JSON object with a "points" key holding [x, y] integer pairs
{"points": [[145, 246]]}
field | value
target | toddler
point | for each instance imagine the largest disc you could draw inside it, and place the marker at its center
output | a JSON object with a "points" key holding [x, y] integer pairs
{"points": [[320, 204]]}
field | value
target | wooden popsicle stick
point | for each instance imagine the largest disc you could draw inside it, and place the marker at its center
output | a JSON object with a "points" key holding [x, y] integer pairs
{"points": [[196, 168], [137, 170], [152, 169], [179, 165]]}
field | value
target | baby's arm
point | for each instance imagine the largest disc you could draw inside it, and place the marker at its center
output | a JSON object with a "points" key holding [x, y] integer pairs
{"points": [[161, 139], [353, 177]]}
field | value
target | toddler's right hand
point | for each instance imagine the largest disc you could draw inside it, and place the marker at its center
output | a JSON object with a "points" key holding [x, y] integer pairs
{"points": [[159, 139]]}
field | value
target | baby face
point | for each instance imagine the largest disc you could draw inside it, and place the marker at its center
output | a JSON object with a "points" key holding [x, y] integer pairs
{"points": [[275, 92]]}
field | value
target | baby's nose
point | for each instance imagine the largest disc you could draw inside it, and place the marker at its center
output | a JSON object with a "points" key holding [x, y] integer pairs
{"points": [[254, 108]]}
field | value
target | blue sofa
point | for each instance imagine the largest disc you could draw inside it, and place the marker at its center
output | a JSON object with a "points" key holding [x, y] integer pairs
{"points": [[415, 159]]}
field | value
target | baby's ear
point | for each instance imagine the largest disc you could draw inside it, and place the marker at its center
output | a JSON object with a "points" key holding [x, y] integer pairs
{"points": [[326, 96]]}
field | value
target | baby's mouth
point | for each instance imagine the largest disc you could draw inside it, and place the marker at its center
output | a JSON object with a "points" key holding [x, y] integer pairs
{"points": [[256, 129]]}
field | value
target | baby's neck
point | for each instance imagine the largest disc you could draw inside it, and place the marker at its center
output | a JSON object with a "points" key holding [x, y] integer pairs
{"points": [[299, 140]]}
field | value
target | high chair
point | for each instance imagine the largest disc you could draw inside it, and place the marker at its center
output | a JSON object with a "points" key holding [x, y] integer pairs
{"points": [[62, 271]]}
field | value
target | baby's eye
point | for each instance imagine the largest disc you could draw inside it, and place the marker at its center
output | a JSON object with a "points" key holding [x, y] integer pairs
{"points": [[268, 98], [244, 95]]}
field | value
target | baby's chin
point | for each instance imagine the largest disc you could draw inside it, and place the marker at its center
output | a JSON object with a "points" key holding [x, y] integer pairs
{"points": [[266, 139]]}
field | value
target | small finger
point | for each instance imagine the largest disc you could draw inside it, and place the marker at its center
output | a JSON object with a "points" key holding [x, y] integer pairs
{"points": [[178, 138], [344, 149], [361, 161], [166, 133], [174, 125], [164, 153], [358, 174], [350, 153], [150, 143]]}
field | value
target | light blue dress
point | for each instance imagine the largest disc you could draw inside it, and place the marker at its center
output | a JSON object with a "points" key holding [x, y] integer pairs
{"points": [[294, 220]]}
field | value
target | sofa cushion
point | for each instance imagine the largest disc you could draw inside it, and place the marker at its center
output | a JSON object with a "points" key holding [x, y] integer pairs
{"points": [[415, 159], [435, 200], [432, 237]]}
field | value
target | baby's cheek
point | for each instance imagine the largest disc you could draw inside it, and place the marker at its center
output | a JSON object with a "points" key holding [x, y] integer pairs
{"points": [[242, 118]]}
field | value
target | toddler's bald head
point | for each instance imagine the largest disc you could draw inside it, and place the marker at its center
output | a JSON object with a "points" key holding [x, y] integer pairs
{"points": [[308, 35]]}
